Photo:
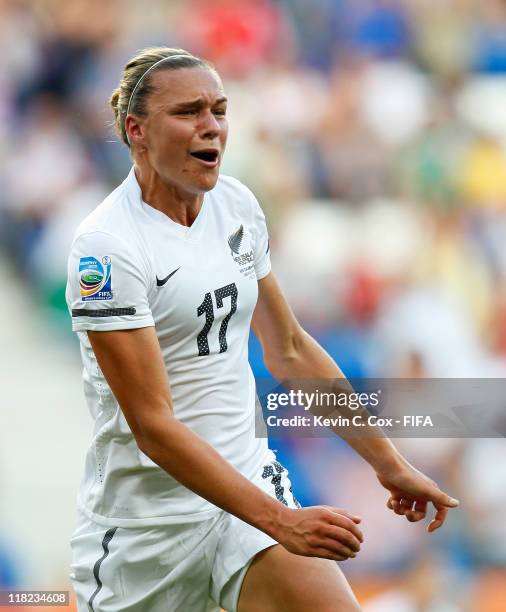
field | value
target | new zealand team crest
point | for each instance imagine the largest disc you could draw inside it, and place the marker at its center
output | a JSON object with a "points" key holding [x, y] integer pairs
{"points": [[244, 260], [235, 239], [95, 278]]}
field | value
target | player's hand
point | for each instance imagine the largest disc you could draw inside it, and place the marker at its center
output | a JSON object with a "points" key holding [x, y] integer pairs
{"points": [[320, 531], [411, 492]]}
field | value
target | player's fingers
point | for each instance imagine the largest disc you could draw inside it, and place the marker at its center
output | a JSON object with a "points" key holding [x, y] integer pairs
{"points": [[344, 537], [343, 544], [323, 553], [396, 506], [418, 512], [438, 519], [407, 503], [350, 515], [340, 549], [345, 523], [413, 516], [439, 498]]}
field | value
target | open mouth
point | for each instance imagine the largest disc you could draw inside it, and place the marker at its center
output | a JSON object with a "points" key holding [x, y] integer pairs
{"points": [[206, 155]]}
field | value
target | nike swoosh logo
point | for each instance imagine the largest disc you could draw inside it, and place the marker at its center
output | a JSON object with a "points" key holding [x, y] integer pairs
{"points": [[160, 282]]}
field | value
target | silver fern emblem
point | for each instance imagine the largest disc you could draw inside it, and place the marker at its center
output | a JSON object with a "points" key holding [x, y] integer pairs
{"points": [[235, 239]]}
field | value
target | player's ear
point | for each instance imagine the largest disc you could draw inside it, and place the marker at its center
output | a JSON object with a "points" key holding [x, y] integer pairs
{"points": [[134, 129]]}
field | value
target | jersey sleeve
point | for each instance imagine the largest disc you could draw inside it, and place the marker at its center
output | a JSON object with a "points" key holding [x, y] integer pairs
{"points": [[262, 259], [107, 284]]}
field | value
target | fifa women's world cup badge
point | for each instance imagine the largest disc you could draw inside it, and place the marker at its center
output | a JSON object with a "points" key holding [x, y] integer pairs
{"points": [[95, 278]]}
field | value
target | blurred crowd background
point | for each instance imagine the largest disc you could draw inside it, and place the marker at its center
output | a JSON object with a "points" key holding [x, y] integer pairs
{"points": [[374, 135]]}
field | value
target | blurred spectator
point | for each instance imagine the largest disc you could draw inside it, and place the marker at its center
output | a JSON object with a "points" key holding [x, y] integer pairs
{"points": [[237, 35], [445, 36], [491, 37], [379, 28]]}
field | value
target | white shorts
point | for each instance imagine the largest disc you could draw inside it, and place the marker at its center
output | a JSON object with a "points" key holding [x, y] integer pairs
{"points": [[192, 567]]}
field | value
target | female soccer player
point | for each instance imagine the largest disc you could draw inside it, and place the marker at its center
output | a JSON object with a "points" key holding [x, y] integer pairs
{"points": [[181, 507]]}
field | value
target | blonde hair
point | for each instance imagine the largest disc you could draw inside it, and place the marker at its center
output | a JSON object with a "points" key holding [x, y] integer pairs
{"points": [[135, 87]]}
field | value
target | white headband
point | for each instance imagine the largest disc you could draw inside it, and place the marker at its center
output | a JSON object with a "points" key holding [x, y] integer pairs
{"points": [[169, 57]]}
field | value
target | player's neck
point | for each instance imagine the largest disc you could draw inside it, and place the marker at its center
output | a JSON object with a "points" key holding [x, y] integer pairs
{"points": [[180, 206]]}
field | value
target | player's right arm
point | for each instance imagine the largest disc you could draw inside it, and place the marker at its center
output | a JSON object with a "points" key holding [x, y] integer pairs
{"points": [[132, 364]]}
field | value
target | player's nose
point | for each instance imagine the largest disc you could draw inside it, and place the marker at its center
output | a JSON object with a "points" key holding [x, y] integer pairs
{"points": [[209, 126]]}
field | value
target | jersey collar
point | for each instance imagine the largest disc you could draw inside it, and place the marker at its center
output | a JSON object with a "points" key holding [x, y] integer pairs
{"points": [[192, 233]]}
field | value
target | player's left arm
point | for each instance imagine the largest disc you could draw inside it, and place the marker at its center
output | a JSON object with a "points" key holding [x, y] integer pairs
{"points": [[290, 352]]}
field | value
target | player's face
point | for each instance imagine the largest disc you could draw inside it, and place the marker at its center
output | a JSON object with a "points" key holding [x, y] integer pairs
{"points": [[185, 130]]}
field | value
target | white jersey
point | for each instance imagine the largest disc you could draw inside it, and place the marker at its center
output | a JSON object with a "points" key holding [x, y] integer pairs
{"points": [[131, 266]]}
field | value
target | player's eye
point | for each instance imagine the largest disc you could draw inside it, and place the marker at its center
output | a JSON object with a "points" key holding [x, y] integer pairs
{"points": [[220, 112]]}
